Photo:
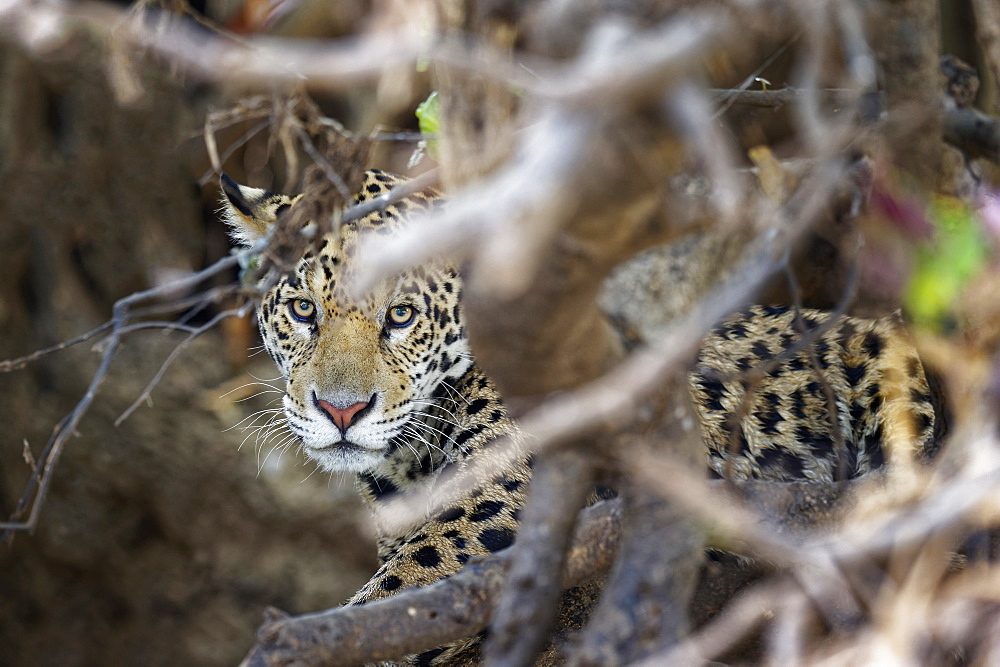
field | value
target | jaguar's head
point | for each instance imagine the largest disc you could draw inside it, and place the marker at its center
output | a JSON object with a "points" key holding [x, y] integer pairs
{"points": [[365, 377]]}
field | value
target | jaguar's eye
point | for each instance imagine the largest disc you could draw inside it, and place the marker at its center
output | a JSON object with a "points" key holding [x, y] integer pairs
{"points": [[303, 310], [400, 316]]}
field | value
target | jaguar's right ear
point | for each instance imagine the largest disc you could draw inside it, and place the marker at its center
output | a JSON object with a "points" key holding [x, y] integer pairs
{"points": [[248, 211]]}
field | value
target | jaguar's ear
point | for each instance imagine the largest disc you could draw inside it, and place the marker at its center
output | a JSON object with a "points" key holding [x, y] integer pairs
{"points": [[249, 211]]}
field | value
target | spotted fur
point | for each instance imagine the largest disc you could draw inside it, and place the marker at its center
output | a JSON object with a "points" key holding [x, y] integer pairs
{"points": [[884, 407], [424, 403]]}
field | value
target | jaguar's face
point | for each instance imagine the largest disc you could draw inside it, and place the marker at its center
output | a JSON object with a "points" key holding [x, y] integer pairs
{"points": [[361, 374]]}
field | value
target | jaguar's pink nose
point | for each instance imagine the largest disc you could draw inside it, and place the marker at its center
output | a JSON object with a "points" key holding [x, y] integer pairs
{"points": [[342, 417]]}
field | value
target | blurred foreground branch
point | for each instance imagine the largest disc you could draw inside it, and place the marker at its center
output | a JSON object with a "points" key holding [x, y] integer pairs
{"points": [[463, 605], [975, 133], [802, 515], [966, 128], [988, 32]]}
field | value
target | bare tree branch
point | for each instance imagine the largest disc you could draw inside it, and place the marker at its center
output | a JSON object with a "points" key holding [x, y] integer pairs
{"points": [[38, 484], [966, 128], [988, 33], [645, 603], [973, 132], [527, 606], [463, 604], [426, 617], [905, 36]]}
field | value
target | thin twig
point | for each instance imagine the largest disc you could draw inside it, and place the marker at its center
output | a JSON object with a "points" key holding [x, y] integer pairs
{"points": [[324, 164], [219, 160], [40, 480], [21, 362], [176, 352]]}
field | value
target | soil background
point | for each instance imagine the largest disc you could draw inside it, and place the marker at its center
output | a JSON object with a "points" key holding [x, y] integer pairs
{"points": [[163, 539]]}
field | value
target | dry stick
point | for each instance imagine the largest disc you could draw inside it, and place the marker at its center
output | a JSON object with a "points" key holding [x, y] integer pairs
{"points": [[646, 61], [196, 302], [176, 352], [723, 632], [812, 126], [41, 478], [166, 327], [851, 548], [732, 512], [973, 132], [751, 79], [955, 502], [247, 108], [644, 604], [654, 578], [988, 33], [858, 57], [427, 617], [338, 65], [271, 60], [768, 99], [968, 129], [329, 65], [738, 522], [324, 164], [692, 115], [960, 499], [428, 179], [785, 641], [547, 155], [21, 362], [560, 483], [173, 306], [846, 547], [232, 148], [260, 61], [349, 62], [42, 474], [747, 611], [462, 605]]}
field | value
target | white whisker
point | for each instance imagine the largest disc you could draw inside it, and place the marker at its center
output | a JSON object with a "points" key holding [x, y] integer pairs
{"points": [[251, 384], [419, 401], [278, 377], [254, 416]]}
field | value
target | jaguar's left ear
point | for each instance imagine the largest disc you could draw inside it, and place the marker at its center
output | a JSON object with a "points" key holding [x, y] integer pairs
{"points": [[248, 211]]}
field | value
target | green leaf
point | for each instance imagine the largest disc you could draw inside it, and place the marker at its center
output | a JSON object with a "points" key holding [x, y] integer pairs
{"points": [[945, 264], [428, 114], [429, 121]]}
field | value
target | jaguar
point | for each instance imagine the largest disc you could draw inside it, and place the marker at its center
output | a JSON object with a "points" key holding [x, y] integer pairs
{"points": [[385, 386]]}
